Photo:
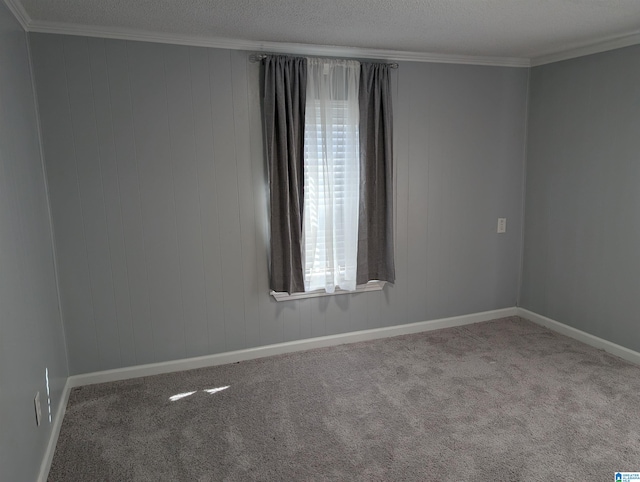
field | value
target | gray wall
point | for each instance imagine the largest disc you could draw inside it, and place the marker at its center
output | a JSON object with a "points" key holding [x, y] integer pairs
{"points": [[581, 261], [157, 186], [31, 336]]}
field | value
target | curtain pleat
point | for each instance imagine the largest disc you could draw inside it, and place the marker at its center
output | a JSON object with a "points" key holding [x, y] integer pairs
{"points": [[375, 223], [284, 99]]}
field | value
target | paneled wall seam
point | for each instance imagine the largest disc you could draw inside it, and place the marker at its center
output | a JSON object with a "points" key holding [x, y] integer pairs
{"points": [[246, 193], [136, 162], [215, 162], [106, 221], [200, 202], [75, 162], [175, 204], [119, 190], [234, 95], [253, 183]]}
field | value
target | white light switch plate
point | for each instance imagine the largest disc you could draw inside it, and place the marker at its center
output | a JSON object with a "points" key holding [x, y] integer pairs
{"points": [[502, 225]]}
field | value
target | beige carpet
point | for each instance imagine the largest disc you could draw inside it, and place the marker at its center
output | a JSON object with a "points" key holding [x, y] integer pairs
{"points": [[505, 400]]}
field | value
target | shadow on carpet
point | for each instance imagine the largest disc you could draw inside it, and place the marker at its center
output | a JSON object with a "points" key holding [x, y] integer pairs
{"points": [[505, 400]]}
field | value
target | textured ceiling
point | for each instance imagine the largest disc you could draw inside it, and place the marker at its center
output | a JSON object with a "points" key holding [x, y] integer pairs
{"points": [[497, 28]]}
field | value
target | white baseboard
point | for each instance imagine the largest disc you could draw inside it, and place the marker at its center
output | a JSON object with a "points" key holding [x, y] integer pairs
{"points": [[281, 348], [617, 350], [55, 432], [300, 345], [249, 354]]}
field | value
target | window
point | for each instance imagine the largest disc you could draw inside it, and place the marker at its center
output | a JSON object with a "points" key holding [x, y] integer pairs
{"points": [[331, 175], [330, 205]]}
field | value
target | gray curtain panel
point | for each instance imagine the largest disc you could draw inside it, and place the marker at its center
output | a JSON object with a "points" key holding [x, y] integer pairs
{"points": [[375, 229], [285, 90]]}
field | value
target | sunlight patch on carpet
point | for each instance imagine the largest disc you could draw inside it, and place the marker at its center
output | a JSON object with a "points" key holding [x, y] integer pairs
{"points": [[180, 396], [211, 391]]}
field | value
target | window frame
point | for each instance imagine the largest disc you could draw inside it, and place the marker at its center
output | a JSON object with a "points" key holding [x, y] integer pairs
{"points": [[373, 285]]}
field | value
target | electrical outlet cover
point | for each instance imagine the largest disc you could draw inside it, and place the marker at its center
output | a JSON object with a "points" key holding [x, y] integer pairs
{"points": [[36, 402]]}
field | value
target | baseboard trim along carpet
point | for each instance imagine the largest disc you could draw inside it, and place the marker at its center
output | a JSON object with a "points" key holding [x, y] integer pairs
{"points": [[594, 341], [320, 342], [506, 399], [281, 348], [248, 354], [55, 432]]}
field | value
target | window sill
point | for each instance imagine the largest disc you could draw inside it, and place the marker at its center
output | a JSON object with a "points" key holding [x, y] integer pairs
{"points": [[370, 286]]}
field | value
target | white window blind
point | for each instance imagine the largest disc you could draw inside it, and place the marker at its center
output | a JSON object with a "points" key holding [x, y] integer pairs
{"points": [[331, 175]]}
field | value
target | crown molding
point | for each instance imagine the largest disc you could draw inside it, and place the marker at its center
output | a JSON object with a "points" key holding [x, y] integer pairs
{"points": [[610, 43], [62, 28], [18, 11], [275, 47]]}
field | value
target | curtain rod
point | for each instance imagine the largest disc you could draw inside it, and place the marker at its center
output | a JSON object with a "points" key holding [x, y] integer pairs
{"points": [[258, 57]]}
